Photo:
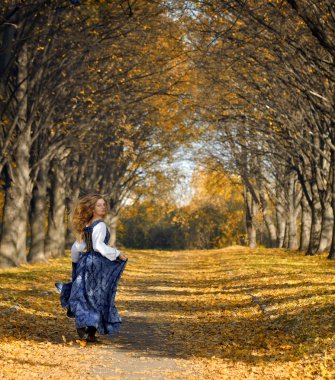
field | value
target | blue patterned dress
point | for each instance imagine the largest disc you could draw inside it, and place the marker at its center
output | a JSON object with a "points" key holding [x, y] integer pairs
{"points": [[90, 297]]}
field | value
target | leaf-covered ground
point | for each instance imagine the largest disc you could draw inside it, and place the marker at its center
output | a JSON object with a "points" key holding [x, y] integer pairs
{"points": [[234, 313]]}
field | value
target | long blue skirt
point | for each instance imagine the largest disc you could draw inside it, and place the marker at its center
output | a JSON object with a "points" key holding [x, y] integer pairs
{"points": [[90, 297]]}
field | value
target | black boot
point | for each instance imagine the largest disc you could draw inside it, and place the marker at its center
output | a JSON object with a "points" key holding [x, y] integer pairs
{"points": [[91, 330], [82, 332]]}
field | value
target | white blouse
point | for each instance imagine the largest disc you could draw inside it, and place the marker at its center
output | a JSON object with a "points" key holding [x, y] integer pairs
{"points": [[98, 237]]}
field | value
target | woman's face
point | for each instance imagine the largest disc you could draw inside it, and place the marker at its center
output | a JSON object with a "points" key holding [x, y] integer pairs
{"points": [[100, 208]]}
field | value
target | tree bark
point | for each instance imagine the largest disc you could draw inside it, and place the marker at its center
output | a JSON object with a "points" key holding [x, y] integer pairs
{"points": [[112, 220], [327, 228], [70, 238], [250, 212], [306, 221], [55, 239], [270, 226], [315, 223], [281, 224], [8, 40], [18, 186], [73, 186], [286, 237], [292, 220], [38, 217], [331, 255]]}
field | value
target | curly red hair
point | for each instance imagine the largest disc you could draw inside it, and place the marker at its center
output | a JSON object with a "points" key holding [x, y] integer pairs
{"points": [[82, 213]]}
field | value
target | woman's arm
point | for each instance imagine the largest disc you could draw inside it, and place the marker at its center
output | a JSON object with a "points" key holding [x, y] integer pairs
{"points": [[76, 249], [98, 237]]}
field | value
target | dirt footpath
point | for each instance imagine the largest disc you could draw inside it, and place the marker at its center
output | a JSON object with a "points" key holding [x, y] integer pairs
{"points": [[143, 347], [139, 351]]}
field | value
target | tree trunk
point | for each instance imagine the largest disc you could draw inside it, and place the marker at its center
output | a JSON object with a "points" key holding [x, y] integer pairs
{"points": [[38, 217], [18, 183], [8, 40], [327, 228], [73, 186], [55, 240], [111, 221], [306, 221], [292, 220], [270, 226], [286, 237], [70, 238], [281, 224], [316, 222], [250, 212], [331, 255]]}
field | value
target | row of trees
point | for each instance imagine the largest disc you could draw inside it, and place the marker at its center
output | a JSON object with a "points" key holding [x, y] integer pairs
{"points": [[267, 104], [90, 96], [98, 95]]}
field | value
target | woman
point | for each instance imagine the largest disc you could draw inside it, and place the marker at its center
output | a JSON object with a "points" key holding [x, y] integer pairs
{"points": [[96, 271]]}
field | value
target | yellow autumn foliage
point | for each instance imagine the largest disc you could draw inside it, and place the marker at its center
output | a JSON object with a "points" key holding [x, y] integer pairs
{"points": [[234, 313]]}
